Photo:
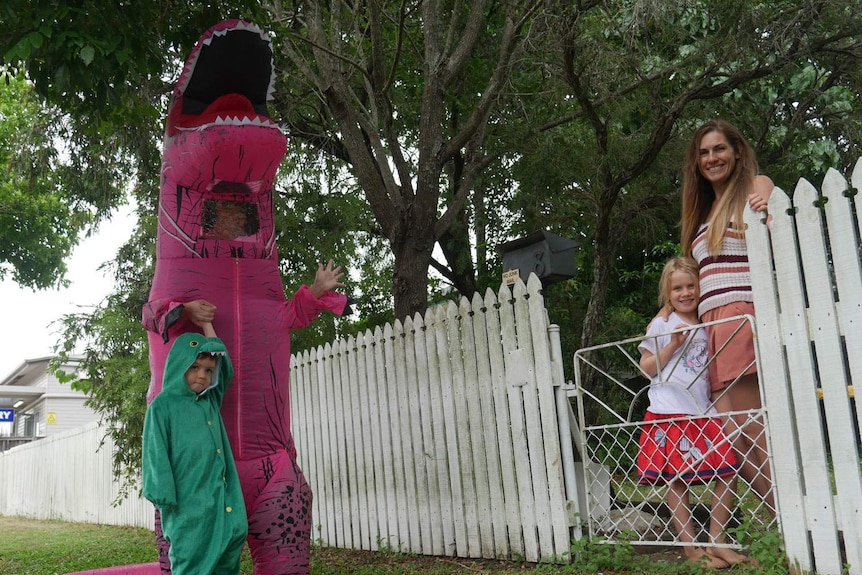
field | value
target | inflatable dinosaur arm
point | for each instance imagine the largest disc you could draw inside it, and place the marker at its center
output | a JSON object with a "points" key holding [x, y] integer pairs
{"points": [[303, 308], [160, 315]]}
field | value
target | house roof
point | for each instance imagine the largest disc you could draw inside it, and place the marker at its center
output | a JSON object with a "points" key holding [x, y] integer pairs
{"points": [[18, 384], [26, 370]]}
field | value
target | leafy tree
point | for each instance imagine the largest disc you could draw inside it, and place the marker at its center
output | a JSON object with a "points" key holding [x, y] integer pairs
{"points": [[40, 219], [404, 93]]}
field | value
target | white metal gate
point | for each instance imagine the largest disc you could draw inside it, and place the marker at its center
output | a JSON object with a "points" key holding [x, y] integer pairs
{"points": [[611, 391]]}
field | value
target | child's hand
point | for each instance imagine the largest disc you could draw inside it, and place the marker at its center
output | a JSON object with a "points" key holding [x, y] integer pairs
{"points": [[326, 279], [678, 338], [199, 312]]}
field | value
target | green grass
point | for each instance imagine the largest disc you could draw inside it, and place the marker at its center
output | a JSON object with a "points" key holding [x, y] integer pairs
{"points": [[31, 547], [51, 547]]}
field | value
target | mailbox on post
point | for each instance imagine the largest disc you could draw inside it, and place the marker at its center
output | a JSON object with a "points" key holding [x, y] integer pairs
{"points": [[549, 256]]}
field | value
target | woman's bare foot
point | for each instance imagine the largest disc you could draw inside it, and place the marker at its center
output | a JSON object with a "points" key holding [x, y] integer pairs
{"points": [[727, 555], [697, 556]]}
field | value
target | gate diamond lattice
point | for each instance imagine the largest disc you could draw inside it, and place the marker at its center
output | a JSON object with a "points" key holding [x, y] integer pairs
{"points": [[611, 391]]}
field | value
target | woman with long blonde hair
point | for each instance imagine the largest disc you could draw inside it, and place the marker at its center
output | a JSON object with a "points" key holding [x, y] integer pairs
{"points": [[719, 178]]}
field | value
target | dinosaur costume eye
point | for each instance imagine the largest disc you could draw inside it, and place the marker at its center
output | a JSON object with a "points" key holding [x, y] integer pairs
{"points": [[194, 343]]}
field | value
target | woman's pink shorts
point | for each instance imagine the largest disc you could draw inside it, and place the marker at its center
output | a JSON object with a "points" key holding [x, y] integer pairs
{"points": [[737, 357]]}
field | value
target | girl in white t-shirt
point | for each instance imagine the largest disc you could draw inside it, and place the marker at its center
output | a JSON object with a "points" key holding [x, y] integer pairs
{"points": [[681, 443]]}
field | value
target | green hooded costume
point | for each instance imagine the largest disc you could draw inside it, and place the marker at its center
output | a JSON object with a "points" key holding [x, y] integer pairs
{"points": [[188, 467]]}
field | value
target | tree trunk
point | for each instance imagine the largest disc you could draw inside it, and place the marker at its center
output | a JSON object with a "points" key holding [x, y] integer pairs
{"points": [[602, 266], [607, 244], [456, 247], [410, 277]]}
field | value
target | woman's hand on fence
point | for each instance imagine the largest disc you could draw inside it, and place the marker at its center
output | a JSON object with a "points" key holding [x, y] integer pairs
{"points": [[759, 198]]}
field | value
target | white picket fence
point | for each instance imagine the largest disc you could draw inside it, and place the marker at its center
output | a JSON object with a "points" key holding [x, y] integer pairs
{"points": [[439, 436], [68, 476], [807, 281]]}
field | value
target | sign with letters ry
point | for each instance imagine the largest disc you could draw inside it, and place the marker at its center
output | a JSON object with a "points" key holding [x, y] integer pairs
{"points": [[7, 415]]}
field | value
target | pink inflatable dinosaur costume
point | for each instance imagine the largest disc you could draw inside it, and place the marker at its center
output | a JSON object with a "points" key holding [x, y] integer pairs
{"points": [[216, 242]]}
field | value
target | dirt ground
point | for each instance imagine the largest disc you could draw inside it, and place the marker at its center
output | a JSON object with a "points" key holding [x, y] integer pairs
{"points": [[344, 557]]}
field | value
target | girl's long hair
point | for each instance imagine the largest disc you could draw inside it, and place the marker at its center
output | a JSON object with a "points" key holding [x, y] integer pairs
{"points": [[698, 195]]}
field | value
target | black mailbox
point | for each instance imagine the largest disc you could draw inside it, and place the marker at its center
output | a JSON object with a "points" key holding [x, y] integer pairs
{"points": [[549, 256]]}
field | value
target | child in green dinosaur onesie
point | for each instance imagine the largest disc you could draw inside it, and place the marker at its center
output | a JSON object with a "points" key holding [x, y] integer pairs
{"points": [[188, 468]]}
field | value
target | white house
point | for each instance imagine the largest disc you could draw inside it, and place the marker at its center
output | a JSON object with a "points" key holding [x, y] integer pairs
{"points": [[35, 404]]}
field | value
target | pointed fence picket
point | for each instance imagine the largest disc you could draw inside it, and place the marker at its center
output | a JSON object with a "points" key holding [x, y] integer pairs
{"points": [[807, 283], [438, 435]]}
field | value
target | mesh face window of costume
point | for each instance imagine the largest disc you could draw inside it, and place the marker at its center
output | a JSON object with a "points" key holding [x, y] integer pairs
{"points": [[230, 212], [229, 220]]}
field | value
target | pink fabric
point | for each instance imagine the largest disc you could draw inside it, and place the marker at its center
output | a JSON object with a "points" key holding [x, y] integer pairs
{"points": [[283, 540], [235, 165], [139, 569]]}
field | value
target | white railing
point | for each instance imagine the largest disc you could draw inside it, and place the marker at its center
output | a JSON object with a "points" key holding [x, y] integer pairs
{"points": [[807, 282]]}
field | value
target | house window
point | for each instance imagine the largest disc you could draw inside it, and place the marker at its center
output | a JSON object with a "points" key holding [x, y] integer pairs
{"points": [[28, 424]]}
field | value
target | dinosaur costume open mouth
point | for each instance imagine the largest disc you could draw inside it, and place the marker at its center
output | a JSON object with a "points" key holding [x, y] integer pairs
{"points": [[227, 80]]}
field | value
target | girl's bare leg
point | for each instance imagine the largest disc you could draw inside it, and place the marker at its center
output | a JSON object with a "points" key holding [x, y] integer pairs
{"points": [[722, 505], [677, 500]]}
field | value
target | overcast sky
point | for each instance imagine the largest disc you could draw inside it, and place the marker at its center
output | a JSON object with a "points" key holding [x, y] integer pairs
{"points": [[27, 316]]}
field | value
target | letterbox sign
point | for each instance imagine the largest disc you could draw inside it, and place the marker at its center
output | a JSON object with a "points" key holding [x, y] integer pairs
{"points": [[7, 415], [549, 256]]}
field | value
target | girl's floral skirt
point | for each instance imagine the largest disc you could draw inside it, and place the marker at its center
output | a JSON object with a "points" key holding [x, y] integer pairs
{"points": [[691, 449]]}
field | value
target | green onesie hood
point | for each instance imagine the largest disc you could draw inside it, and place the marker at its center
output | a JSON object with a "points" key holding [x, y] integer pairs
{"points": [[184, 351]]}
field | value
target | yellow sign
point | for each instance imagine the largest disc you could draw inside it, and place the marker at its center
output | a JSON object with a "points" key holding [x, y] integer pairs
{"points": [[51, 418], [511, 276]]}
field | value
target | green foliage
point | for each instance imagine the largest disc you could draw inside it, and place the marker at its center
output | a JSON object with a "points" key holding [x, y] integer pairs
{"points": [[385, 548], [597, 556], [39, 225], [764, 545], [594, 556]]}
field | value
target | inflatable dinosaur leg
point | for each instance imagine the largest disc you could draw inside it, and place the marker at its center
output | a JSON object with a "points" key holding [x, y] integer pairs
{"points": [[162, 545], [278, 502]]}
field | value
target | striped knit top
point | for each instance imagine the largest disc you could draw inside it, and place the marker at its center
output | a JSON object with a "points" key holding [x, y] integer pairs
{"points": [[725, 278]]}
